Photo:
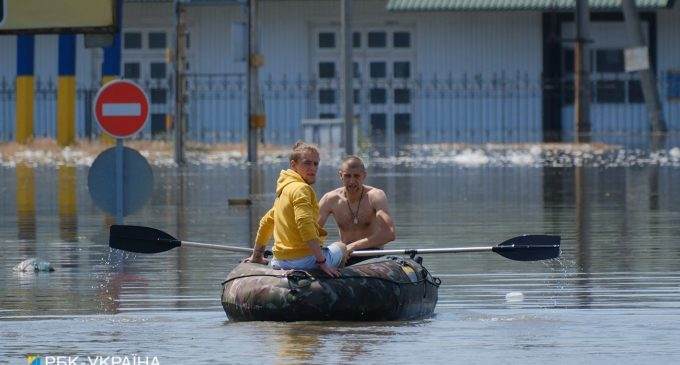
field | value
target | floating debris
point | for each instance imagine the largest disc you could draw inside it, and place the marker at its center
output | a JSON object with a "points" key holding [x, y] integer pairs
{"points": [[34, 265], [514, 297]]}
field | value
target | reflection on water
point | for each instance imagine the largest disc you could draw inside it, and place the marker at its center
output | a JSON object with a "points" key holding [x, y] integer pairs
{"points": [[25, 204], [66, 194], [621, 252]]}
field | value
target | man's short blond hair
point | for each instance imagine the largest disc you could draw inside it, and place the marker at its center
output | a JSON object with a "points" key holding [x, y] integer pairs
{"points": [[299, 148], [352, 162]]}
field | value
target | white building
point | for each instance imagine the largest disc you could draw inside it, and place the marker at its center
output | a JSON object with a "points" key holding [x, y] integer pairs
{"points": [[427, 71]]}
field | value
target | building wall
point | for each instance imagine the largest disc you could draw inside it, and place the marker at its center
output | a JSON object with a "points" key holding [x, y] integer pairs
{"points": [[669, 62], [445, 46], [478, 49], [8, 70], [8, 57], [610, 119], [210, 30], [668, 41], [455, 58], [605, 118]]}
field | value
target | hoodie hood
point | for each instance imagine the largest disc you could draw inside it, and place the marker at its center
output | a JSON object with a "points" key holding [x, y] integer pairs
{"points": [[287, 177]]}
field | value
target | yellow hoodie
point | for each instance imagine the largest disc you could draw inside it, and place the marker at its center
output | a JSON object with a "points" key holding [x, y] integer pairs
{"points": [[292, 219]]}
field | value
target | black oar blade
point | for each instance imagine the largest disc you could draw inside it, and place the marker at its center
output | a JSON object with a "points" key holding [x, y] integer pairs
{"points": [[531, 247], [141, 239]]}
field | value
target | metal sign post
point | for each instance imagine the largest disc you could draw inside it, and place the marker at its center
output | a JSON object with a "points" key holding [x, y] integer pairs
{"points": [[119, 181], [347, 75], [180, 84], [647, 77], [582, 74]]}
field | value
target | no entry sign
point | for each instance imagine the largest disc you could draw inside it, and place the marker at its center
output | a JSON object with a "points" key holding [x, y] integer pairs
{"points": [[121, 108]]}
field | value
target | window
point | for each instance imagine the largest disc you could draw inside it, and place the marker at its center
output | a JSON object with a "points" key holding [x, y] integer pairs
{"points": [[609, 60], [378, 69], [401, 40], [327, 116], [610, 91], [568, 61], [635, 92], [157, 40], [132, 40], [326, 40], [673, 82], [378, 121], [377, 39], [326, 96], [357, 72], [158, 96], [157, 123], [357, 97], [568, 92], [402, 96], [402, 123], [326, 70], [378, 96], [356, 40], [402, 70], [131, 70], [157, 70]]}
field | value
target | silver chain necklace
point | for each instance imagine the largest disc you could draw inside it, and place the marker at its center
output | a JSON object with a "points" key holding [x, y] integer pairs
{"points": [[355, 216]]}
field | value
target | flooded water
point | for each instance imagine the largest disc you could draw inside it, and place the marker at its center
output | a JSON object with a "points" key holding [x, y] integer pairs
{"points": [[612, 297]]}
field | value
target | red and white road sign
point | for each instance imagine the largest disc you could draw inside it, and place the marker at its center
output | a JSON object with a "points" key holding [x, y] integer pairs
{"points": [[121, 108]]}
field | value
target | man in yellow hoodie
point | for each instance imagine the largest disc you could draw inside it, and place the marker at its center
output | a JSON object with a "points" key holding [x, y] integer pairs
{"points": [[298, 238]]}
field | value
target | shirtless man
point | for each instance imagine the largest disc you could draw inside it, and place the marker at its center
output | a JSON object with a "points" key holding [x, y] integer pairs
{"points": [[360, 211]]}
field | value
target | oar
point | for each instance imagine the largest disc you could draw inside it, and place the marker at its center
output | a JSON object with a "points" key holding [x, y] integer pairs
{"points": [[150, 240], [530, 247]]}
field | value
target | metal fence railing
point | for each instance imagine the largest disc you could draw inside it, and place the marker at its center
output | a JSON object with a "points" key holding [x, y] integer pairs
{"points": [[500, 107]]}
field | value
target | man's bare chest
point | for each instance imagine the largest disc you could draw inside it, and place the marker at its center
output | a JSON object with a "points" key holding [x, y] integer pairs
{"points": [[348, 215]]}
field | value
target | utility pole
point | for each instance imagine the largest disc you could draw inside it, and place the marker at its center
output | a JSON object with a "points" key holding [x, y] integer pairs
{"points": [[256, 116], [180, 84], [581, 74], [347, 75], [647, 77]]}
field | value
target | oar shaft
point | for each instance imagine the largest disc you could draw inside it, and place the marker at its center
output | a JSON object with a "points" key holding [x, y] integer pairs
{"points": [[216, 247], [362, 253], [420, 251]]}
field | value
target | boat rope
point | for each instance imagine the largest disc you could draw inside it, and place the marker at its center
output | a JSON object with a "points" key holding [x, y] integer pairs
{"points": [[435, 281]]}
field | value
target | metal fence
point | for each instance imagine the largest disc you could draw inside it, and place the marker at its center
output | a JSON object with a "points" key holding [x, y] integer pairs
{"points": [[499, 107]]}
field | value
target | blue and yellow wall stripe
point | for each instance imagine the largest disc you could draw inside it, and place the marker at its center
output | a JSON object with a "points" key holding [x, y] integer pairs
{"points": [[66, 91], [112, 58], [25, 93]]}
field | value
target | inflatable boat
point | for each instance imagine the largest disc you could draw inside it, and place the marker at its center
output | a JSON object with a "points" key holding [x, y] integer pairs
{"points": [[381, 289]]}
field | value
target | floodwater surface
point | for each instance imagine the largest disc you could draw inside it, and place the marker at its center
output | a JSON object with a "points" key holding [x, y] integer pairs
{"points": [[612, 297]]}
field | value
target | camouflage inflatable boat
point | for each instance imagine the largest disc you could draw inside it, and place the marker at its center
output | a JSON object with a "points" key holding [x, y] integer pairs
{"points": [[387, 288]]}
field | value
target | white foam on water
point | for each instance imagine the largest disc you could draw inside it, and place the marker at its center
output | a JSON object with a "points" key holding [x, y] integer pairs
{"points": [[421, 156], [674, 153], [521, 158], [471, 158]]}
